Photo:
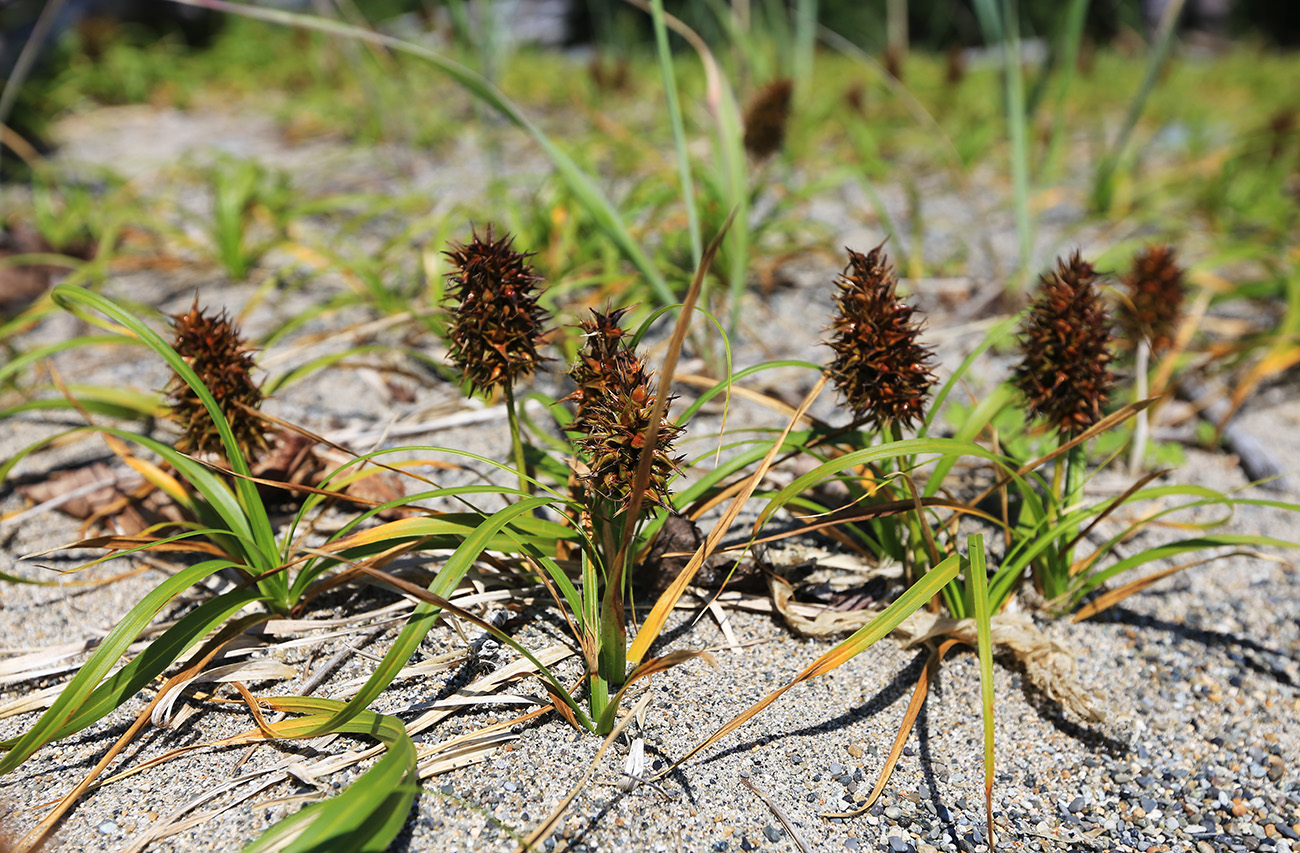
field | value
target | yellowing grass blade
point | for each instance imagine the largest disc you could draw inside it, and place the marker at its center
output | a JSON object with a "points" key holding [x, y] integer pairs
{"points": [[654, 622], [905, 605], [919, 693]]}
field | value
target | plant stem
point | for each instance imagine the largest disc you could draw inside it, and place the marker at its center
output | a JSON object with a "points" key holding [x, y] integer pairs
{"points": [[1141, 422], [1076, 467], [517, 442]]}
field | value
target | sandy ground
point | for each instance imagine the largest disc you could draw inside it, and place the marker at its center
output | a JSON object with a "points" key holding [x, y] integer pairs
{"points": [[1197, 676]]}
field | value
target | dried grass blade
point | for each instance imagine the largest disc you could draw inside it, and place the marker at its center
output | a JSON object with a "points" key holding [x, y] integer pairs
{"points": [[905, 605], [658, 615], [38, 834], [919, 693], [1109, 599], [645, 462]]}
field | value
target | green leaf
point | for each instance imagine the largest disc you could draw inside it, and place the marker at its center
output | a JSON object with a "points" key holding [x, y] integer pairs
{"points": [[369, 814], [65, 708]]}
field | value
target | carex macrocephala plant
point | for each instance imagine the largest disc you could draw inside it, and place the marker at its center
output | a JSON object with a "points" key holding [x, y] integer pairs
{"points": [[1149, 312], [617, 404], [1154, 289], [883, 375], [496, 322], [1064, 377], [766, 119], [880, 368], [213, 347]]}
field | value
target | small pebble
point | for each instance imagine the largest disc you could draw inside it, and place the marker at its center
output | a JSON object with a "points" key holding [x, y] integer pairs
{"points": [[773, 834]]}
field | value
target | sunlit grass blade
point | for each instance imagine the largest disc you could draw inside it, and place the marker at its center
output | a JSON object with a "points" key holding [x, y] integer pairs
{"points": [[54, 722], [658, 616], [977, 575], [914, 705], [1103, 188], [250, 506], [160, 654], [369, 814], [425, 615]]}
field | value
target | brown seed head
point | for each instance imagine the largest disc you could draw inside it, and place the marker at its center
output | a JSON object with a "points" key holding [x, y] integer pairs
{"points": [[214, 349], [881, 371], [1155, 297], [616, 398], [497, 322], [766, 119], [604, 355], [1065, 347]]}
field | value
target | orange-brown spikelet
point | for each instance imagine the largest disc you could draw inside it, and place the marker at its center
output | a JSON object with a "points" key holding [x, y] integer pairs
{"points": [[615, 401], [1155, 297], [880, 369], [1065, 347], [766, 119], [604, 355], [213, 347], [497, 322]]}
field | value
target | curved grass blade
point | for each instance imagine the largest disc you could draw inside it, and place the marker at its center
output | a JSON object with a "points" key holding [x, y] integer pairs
{"points": [[584, 188], [425, 615], [919, 693], [82, 685], [370, 813], [251, 508]]}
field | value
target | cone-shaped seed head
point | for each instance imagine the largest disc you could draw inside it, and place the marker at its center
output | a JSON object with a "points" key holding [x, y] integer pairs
{"points": [[1065, 347], [497, 322], [881, 371], [1155, 297], [766, 119], [213, 347], [615, 401]]}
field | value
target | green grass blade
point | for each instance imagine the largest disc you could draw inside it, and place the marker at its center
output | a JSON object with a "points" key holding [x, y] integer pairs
{"points": [[425, 615], [28, 358], [79, 689], [579, 182], [161, 653], [370, 813], [978, 577], [1104, 182], [252, 509], [679, 133]]}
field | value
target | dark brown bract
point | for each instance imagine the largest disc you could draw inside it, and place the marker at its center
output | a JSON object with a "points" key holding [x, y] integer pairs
{"points": [[766, 119], [497, 322], [1155, 297], [616, 399], [214, 349], [880, 369], [1065, 347]]}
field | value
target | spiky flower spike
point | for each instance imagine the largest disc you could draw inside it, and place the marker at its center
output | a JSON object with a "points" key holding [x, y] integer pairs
{"points": [[495, 327], [616, 399], [213, 347], [766, 119], [1155, 297], [1065, 347], [881, 371], [604, 355]]}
